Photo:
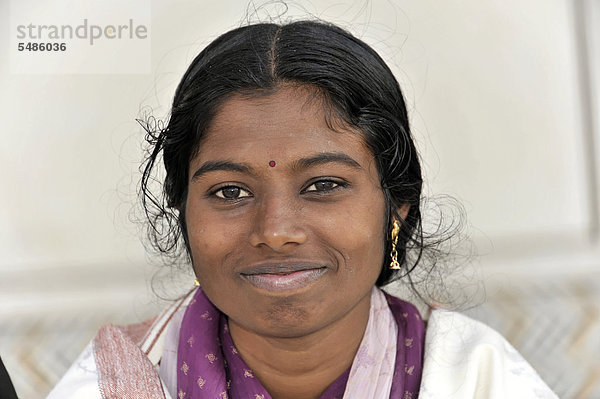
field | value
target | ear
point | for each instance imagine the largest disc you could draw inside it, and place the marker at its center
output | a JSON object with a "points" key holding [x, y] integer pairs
{"points": [[402, 211]]}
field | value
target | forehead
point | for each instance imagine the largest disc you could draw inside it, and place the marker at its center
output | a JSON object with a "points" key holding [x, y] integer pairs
{"points": [[281, 124]]}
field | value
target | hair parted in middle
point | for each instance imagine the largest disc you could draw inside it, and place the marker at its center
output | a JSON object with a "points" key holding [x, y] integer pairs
{"points": [[356, 87]]}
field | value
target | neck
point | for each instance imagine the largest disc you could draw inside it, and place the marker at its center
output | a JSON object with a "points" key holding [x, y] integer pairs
{"points": [[303, 367]]}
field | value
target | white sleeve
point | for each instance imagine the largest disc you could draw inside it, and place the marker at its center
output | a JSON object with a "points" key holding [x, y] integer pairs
{"points": [[81, 380], [168, 363], [465, 359]]}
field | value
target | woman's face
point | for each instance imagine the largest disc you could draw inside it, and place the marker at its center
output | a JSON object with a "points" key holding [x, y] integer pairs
{"points": [[284, 215]]}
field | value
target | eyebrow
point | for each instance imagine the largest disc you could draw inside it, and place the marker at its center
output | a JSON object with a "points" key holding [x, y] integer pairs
{"points": [[304, 163], [324, 158], [213, 166]]}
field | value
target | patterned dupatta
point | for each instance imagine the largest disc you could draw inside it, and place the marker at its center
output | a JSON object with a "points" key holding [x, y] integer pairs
{"points": [[388, 362]]}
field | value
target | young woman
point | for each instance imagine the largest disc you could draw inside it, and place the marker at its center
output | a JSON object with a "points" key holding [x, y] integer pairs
{"points": [[293, 184]]}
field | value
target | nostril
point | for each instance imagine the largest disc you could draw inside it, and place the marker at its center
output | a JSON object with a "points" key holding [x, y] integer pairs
{"points": [[276, 223], [277, 233]]}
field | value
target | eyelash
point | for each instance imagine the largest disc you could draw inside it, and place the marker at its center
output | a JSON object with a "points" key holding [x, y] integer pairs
{"points": [[221, 197], [338, 186]]}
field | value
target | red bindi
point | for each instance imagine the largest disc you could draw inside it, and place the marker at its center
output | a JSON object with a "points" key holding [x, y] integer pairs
{"points": [[272, 163]]}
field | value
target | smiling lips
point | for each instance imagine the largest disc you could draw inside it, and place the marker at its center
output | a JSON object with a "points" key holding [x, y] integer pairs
{"points": [[279, 277]]}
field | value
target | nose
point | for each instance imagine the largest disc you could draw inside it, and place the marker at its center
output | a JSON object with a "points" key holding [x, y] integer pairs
{"points": [[277, 225]]}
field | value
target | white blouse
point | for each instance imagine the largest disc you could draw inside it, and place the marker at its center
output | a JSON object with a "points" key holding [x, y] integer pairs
{"points": [[464, 359]]}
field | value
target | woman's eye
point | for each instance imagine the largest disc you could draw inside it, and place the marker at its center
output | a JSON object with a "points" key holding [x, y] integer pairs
{"points": [[323, 186], [231, 193]]}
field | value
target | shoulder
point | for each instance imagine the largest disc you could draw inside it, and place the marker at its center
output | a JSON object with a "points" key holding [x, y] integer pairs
{"points": [[81, 380], [465, 358], [111, 353]]}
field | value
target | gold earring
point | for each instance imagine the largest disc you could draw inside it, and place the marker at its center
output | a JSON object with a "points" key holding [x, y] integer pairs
{"points": [[394, 265], [196, 283]]}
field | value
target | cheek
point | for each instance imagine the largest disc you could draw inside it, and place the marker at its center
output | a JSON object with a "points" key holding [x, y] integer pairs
{"points": [[208, 247], [365, 251], [357, 235], [209, 239]]}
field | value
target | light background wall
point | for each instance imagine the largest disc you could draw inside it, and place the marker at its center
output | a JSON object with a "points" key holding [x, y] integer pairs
{"points": [[503, 98]]}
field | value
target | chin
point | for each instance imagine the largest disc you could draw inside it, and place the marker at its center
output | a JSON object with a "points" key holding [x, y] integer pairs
{"points": [[285, 318]]}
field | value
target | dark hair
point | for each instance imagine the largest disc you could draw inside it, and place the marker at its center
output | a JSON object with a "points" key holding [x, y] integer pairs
{"points": [[357, 88]]}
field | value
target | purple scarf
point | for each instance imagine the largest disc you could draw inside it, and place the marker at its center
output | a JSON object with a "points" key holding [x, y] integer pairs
{"points": [[209, 365]]}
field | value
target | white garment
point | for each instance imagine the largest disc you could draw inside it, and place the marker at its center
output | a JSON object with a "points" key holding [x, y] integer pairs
{"points": [[464, 359]]}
